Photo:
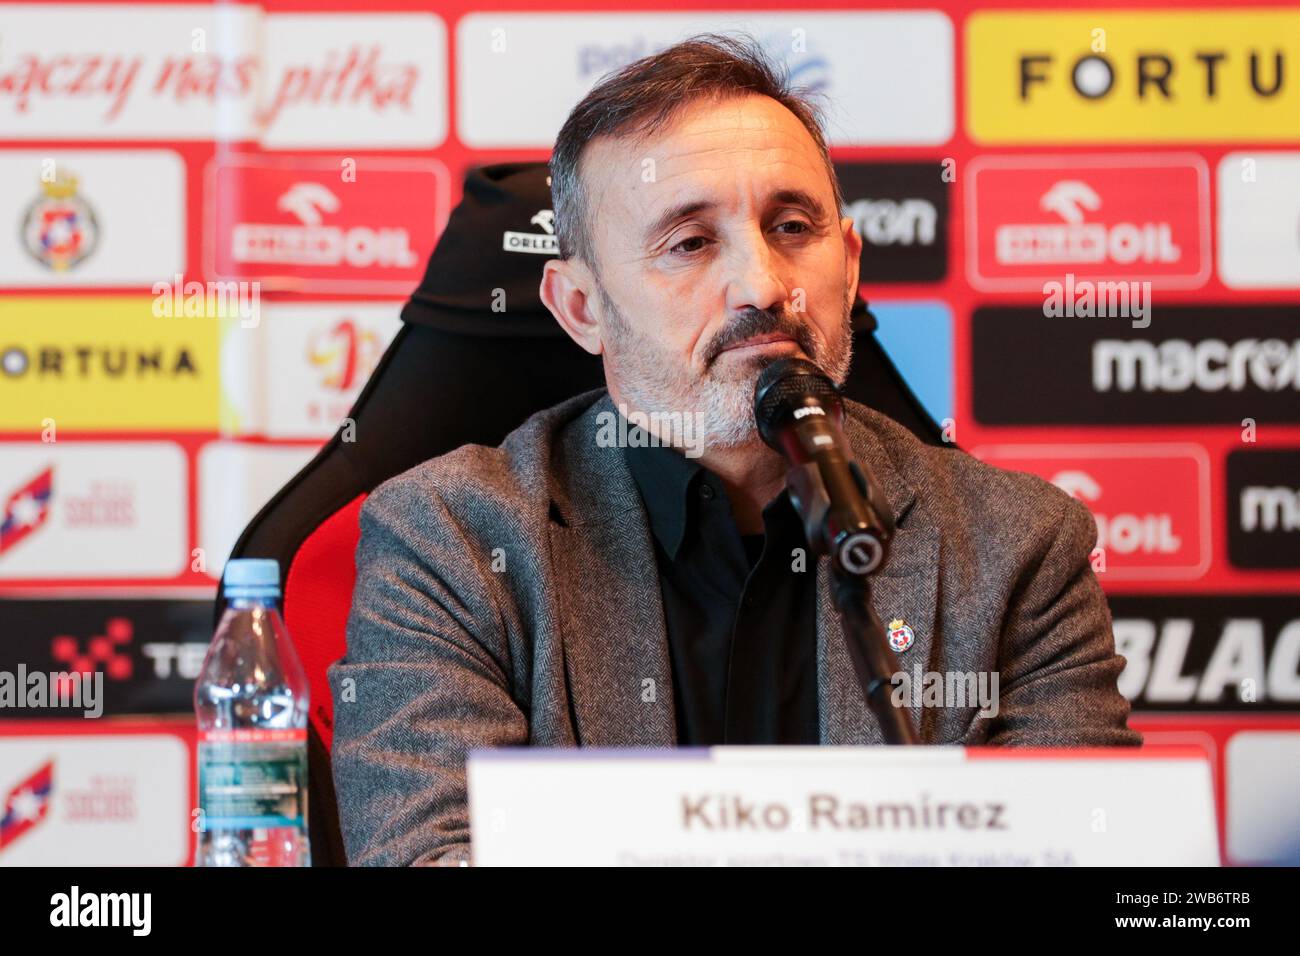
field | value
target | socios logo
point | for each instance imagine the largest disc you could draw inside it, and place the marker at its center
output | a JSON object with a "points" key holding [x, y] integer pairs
{"points": [[1164, 76]]}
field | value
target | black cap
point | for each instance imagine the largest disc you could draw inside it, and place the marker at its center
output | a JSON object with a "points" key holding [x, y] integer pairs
{"points": [[498, 238]]}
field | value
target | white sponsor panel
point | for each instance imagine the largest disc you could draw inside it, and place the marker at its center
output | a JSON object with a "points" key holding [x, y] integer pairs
{"points": [[225, 72], [350, 79], [1263, 814], [235, 480], [117, 71], [92, 510], [297, 373], [96, 800], [887, 77], [91, 217], [843, 806], [1259, 220]]}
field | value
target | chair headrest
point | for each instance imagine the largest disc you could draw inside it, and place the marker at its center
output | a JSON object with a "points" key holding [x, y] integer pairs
{"points": [[497, 238], [484, 273]]}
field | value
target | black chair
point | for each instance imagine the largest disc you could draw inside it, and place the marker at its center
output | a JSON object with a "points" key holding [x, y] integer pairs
{"points": [[454, 352]]}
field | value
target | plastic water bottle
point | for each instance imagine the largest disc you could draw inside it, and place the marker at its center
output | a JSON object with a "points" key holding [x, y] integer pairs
{"points": [[251, 700]]}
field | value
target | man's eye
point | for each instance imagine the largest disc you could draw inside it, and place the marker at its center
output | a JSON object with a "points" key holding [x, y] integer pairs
{"points": [[803, 227], [680, 247]]}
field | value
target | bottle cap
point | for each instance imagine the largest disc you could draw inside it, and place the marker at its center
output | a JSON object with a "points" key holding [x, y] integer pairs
{"points": [[252, 577]]}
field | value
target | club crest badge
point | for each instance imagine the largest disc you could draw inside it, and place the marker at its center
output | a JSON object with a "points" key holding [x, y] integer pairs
{"points": [[900, 635], [59, 228]]}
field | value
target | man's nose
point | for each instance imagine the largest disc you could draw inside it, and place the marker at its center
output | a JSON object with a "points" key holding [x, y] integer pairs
{"points": [[754, 275]]}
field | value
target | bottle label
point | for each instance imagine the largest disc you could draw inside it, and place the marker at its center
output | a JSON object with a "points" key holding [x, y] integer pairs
{"points": [[253, 779]]}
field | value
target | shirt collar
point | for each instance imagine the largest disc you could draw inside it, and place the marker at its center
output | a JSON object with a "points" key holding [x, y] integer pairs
{"points": [[665, 478], [668, 481]]}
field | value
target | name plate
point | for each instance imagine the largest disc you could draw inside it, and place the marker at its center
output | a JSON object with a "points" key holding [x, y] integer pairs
{"points": [[842, 806]]}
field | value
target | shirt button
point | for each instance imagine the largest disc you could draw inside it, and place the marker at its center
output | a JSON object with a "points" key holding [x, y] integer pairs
{"points": [[706, 492]]}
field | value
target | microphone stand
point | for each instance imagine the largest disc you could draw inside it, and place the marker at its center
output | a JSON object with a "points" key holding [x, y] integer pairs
{"points": [[798, 410], [857, 551], [869, 649]]}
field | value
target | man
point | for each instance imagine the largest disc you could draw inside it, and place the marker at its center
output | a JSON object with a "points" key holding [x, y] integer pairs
{"points": [[573, 588]]}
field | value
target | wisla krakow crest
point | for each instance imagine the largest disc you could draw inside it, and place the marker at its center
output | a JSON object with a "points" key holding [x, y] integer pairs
{"points": [[900, 635], [59, 229]]}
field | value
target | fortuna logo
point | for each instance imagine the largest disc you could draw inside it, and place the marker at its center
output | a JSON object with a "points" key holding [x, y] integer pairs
{"points": [[102, 909], [1211, 365], [1077, 242], [544, 243], [1093, 76], [90, 361], [313, 243], [59, 228]]}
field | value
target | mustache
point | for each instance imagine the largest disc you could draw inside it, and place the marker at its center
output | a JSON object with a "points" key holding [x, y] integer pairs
{"points": [[754, 322]]}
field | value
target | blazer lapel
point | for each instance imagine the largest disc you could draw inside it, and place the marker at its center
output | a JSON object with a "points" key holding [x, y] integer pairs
{"points": [[905, 589], [615, 642]]}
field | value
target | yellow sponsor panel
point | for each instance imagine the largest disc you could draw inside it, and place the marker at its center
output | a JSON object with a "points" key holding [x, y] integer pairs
{"points": [[1211, 75], [105, 363]]}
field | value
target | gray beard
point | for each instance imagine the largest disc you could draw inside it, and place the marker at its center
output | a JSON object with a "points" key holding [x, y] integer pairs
{"points": [[721, 402]]}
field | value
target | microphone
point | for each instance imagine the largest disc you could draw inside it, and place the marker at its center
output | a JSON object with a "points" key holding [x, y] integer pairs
{"points": [[799, 412]]}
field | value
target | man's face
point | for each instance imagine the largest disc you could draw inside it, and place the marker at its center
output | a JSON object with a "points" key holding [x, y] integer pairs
{"points": [[719, 249]]}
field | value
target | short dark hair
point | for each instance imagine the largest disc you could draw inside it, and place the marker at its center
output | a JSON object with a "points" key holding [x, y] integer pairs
{"points": [[644, 96]]}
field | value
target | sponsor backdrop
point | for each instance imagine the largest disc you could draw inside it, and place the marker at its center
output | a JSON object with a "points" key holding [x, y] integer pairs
{"points": [[1082, 240]]}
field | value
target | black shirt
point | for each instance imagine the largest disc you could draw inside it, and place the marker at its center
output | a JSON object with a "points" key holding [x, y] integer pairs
{"points": [[740, 610]]}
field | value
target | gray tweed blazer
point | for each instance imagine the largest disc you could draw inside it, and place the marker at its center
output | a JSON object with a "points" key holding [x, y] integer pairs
{"points": [[509, 596]]}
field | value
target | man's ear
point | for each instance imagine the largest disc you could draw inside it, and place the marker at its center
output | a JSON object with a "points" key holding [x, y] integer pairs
{"points": [[852, 257], [564, 288]]}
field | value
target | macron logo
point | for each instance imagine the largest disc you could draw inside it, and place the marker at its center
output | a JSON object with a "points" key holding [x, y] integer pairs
{"points": [[102, 909]]}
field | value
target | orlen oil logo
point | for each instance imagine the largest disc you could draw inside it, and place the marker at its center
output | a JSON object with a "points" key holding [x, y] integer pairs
{"points": [[1102, 218], [1107, 75], [319, 225], [1149, 501]]}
